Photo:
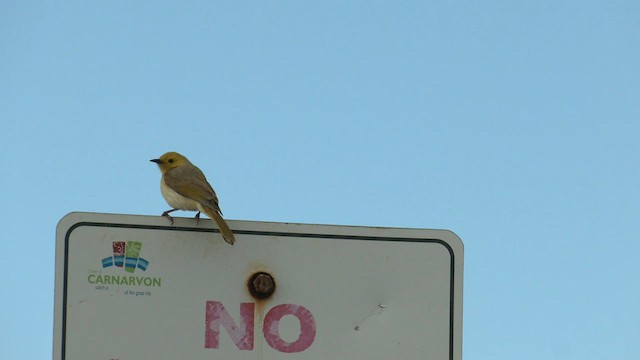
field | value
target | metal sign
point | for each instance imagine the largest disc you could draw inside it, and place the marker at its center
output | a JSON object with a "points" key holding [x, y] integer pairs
{"points": [[135, 287]]}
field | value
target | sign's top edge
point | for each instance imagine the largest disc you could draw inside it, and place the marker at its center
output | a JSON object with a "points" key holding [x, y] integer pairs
{"points": [[74, 218]]}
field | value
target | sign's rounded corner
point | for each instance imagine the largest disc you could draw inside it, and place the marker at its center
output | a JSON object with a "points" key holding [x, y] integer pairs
{"points": [[453, 239], [67, 220]]}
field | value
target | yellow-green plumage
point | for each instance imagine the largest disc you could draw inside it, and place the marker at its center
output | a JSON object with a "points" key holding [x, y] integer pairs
{"points": [[185, 187]]}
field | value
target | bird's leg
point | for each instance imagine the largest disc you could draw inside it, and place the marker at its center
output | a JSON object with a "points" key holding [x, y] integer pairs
{"points": [[166, 214], [197, 217]]}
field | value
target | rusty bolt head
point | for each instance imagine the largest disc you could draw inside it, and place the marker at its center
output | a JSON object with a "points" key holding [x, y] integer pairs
{"points": [[261, 285]]}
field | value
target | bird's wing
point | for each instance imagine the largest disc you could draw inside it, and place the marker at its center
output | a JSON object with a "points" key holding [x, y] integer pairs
{"points": [[190, 182]]}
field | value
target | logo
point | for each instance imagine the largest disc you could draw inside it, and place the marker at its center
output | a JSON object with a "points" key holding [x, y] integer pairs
{"points": [[127, 254]]}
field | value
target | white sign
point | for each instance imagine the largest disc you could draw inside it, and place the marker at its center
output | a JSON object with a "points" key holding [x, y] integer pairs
{"points": [[135, 287]]}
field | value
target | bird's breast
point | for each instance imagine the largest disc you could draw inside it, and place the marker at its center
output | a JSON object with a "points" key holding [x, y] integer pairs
{"points": [[176, 200]]}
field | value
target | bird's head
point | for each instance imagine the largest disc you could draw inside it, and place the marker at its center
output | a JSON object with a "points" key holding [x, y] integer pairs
{"points": [[169, 161]]}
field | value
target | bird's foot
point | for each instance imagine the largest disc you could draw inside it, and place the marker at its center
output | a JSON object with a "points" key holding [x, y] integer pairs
{"points": [[197, 217], [166, 214]]}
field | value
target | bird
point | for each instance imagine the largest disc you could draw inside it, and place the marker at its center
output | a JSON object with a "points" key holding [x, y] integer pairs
{"points": [[184, 187]]}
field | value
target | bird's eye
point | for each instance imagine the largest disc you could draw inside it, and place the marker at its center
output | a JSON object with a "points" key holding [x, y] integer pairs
{"points": [[170, 161]]}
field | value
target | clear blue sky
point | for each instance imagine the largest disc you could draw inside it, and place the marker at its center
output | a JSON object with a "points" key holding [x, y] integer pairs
{"points": [[516, 124]]}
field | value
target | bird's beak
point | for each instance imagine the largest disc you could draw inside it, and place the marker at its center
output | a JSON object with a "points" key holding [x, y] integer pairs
{"points": [[157, 161]]}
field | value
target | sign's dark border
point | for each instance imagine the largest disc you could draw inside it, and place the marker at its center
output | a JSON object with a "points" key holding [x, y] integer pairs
{"points": [[258, 233]]}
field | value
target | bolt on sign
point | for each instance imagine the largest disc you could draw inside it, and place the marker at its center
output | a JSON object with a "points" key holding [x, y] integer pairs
{"points": [[136, 287]]}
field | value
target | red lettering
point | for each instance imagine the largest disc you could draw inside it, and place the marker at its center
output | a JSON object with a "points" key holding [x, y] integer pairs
{"points": [[307, 328], [216, 315]]}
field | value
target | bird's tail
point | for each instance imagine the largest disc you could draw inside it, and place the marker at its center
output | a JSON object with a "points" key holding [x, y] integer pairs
{"points": [[222, 225]]}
